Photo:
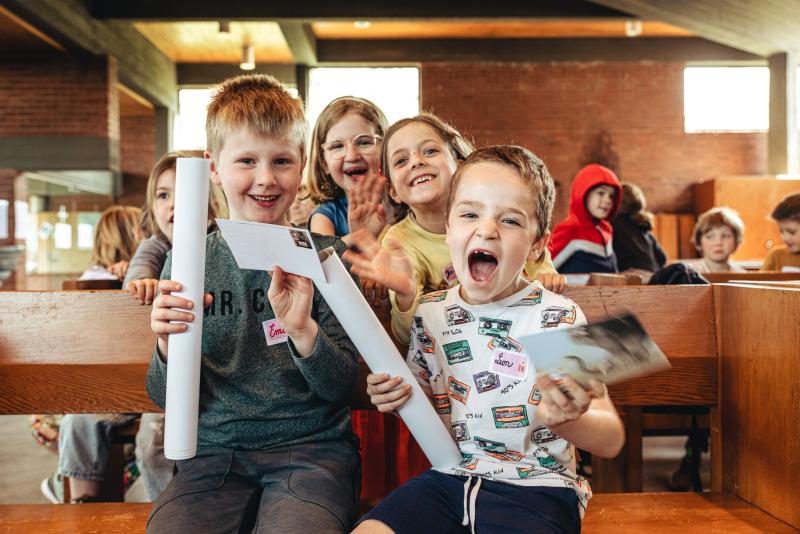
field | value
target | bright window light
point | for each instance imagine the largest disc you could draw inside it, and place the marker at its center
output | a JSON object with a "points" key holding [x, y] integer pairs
{"points": [[726, 99], [393, 89], [190, 122]]}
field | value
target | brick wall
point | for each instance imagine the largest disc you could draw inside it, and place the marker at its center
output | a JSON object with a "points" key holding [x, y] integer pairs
{"points": [[556, 109], [138, 155], [70, 98]]}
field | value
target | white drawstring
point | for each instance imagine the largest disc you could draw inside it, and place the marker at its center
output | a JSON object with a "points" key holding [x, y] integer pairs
{"points": [[470, 498]]}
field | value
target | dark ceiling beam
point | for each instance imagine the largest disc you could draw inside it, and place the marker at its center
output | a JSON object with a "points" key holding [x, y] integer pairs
{"points": [[763, 27], [310, 10], [301, 41], [141, 66], [474, 50]]}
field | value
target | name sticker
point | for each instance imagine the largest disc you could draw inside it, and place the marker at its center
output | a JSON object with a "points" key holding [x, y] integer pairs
{"points": [[510, 363], [274, 332]]}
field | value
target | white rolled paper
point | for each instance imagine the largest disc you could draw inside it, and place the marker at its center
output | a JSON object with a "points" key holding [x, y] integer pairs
{"points": [[188, 268], [381, 355]]}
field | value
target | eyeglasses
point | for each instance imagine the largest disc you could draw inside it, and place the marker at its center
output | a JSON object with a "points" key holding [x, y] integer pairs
{"points": [[365, 144]]}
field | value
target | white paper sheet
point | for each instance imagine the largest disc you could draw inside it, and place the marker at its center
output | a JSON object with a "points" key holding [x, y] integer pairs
{"points": [[188, 268], [377, 349], [262, 246]]}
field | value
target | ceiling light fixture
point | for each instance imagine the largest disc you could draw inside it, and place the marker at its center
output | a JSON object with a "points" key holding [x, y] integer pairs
{"points": [[633, 28], [362, 24], [248, 57]]}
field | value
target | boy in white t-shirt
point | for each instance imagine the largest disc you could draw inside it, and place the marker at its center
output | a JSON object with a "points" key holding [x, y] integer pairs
{"points": [[517, 430]]}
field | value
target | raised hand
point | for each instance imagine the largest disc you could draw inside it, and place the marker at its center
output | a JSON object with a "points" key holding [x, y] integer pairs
{"points": [[365, 209], [388, 265], [291, 297]]}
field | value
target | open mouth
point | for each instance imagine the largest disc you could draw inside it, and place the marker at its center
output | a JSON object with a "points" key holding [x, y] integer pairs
{"points": [[422, 179], [356, 173], [265, 200], [482, 265]]}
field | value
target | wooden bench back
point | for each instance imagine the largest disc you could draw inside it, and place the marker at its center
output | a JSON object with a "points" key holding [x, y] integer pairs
{"points": [[759, 276], [760, 395], [88, 352]]}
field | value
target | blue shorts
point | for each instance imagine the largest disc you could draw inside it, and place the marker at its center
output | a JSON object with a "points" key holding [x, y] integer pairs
{"points": [[434, 502]]}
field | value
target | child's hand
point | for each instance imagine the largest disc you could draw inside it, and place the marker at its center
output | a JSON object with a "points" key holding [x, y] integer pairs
{"points": [[565, 400], [375, 293], [119, 269], [291, 297], [388, 266], [143, 290], [387, 394], [553, 281], [365, 209], [164, 313]]}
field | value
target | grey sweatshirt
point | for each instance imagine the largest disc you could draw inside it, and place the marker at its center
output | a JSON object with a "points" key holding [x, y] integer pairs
{"points": [[255, 396]]}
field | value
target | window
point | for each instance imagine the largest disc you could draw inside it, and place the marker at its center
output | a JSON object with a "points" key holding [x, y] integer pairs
{"points": [[393, 89], [726, 99]]}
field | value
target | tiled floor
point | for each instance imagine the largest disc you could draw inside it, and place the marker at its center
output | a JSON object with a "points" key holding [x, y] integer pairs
{"points": [[24, 464]]}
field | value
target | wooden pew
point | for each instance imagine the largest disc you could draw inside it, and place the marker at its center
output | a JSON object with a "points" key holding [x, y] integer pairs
{"points": [[756, 276], [87, 352]]}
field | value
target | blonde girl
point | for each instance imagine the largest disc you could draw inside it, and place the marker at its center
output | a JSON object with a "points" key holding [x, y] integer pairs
{"points": [[345, 150], [116, 237], [420, 155], [157, 221]]}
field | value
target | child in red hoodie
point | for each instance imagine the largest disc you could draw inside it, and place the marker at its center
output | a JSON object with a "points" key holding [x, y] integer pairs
{"points": [[582, 242]]}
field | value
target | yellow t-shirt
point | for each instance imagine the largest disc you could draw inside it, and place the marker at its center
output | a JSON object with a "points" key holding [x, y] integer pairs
{"points": [[433, 268], [780, 257]]}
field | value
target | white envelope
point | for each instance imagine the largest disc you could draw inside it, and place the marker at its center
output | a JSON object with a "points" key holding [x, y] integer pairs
{"points": [[262, 246]]}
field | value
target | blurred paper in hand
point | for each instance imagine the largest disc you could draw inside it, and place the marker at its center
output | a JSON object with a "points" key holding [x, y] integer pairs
{"points": [[610, 351]]}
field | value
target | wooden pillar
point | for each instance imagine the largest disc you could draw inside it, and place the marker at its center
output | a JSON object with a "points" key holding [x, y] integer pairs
{"points": [[783, 140]]}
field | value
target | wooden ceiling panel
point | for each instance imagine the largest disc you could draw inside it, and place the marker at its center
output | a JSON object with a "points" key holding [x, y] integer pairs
{"points": [[18, 36], [202, 42], [489, 29]]}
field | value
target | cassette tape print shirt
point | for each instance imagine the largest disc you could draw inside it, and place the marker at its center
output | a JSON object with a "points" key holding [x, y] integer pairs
{"points": [[491, 416]]}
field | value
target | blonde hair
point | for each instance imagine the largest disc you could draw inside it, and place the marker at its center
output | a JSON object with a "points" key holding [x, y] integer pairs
{"points": [[634, 205], [258, 103], [319, 185], [718, 217], [217, 204], [459, 147], [116, 236], [528, 166]]}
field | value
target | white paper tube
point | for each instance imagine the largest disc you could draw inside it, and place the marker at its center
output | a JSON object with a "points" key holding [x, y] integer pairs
{"points": [[188, 268], [377, 349]]}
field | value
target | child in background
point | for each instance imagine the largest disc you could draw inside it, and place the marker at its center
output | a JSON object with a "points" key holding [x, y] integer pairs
{"points": [[116, 237], [582, 243], [518, 442], [717, 234], [275, 447], [786, 258], [301, 209], [345, 150], [635, 246]]}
